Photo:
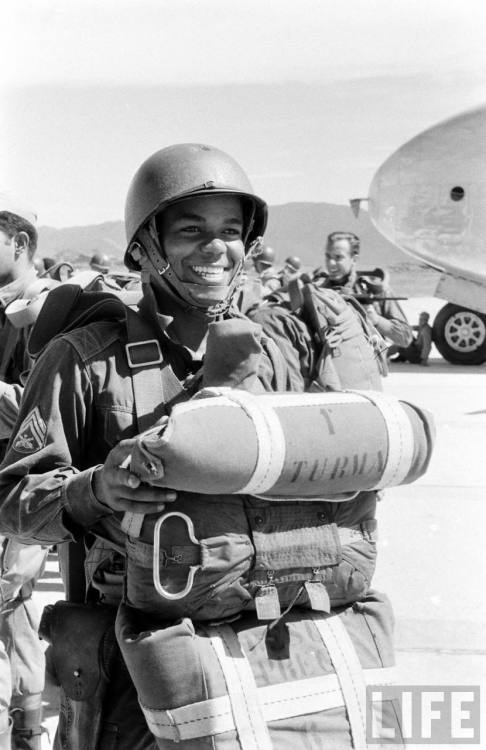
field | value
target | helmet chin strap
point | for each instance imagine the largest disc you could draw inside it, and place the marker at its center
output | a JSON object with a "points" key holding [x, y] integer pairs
{"points": [[154, 265]]}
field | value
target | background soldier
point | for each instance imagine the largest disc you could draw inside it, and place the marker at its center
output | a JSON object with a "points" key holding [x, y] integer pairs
{"points": [[418, 351], [100, 262], [341, 254], [292, 269], [20, 566], [264, 262]]}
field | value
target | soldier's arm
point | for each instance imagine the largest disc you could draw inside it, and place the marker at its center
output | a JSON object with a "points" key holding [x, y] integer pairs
{"points": [[49, 492], [44, 495], [390, 320]]}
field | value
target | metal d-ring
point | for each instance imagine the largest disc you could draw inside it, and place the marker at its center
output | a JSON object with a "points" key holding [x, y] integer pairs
{"points": [[156, 561]]}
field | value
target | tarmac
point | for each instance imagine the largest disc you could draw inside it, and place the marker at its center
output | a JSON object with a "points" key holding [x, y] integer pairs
{"points": [[431, 560]]}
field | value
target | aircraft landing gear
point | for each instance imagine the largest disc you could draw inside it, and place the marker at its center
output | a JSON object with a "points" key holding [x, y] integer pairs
{"points": [[460, 335]]}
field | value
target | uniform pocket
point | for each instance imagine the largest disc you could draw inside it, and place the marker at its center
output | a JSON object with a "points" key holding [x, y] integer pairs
{"points": [[117, 423], [352, 578], [217, 589]]}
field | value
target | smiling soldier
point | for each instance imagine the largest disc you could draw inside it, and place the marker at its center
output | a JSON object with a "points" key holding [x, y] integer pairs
{"points": [[190, 217]]}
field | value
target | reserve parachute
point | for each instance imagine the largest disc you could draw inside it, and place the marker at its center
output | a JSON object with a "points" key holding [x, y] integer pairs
{"points": [[296, 445], [257, 478]]}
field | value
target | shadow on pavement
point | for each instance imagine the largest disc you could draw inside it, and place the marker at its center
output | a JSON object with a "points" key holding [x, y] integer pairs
{"points": [[437, 366]]}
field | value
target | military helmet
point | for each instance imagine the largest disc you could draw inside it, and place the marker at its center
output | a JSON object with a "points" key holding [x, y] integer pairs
{"points": [[186, 170], [294, 262], [265, 254], [100, 262]]}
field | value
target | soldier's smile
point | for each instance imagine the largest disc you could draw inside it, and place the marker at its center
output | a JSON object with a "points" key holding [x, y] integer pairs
{"points": [[211, 274], [202, 239]]}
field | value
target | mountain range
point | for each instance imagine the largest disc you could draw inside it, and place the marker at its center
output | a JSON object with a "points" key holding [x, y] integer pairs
{"points": [[293, 229]]}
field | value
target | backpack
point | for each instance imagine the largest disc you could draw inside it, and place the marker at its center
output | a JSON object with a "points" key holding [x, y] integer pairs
{"points": [[351, 352]]}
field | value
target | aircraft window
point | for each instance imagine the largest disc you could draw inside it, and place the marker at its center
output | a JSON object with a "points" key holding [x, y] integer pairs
{"points": [[457, 193]]}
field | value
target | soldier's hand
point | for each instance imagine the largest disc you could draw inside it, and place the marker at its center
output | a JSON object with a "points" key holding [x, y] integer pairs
{"points": [[121, 490]]}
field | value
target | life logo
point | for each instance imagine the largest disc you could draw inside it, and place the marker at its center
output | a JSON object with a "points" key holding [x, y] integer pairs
{"points": [[423, 715], [31, 436]]}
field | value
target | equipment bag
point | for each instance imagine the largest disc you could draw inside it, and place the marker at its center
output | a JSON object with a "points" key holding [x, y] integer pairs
{"points": [[82, 655], [301, 445], [243, 686], [351, 351]]}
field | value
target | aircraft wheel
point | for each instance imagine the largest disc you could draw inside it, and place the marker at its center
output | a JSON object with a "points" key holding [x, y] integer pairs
{"points": [[460, 335]]}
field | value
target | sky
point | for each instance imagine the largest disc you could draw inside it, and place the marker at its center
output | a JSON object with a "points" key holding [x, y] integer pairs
{"points": [[309, 96]]}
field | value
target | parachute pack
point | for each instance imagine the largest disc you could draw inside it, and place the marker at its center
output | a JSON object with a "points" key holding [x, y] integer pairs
{"points": [[243, 686]]}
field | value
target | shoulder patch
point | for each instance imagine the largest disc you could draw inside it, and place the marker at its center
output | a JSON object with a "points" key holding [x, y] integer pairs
{"points": [[31, 436]]}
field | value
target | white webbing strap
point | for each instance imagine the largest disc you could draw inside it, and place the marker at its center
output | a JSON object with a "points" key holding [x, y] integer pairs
{"points": [[154, 384], [269, 435], [4, 727], [242, 690], [349, 673], [283, 700], [400, 438]]}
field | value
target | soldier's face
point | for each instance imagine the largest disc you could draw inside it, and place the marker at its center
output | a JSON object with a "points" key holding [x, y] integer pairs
{"points": [[7, 258], [203, 239], [339, 259]]}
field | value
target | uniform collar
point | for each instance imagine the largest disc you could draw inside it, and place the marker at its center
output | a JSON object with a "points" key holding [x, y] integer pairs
{"points": [[148, 308], [17, 287], [346, 283]]}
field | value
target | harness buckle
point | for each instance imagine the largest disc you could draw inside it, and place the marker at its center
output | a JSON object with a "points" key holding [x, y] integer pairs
{"points": [[156, 562], [132, 348]]}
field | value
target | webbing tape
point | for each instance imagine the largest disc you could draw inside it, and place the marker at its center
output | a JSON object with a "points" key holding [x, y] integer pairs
{"points": [[269, 435], [400, 438], [242, 690], [349, 673], [284, 700], [270, 441], [220, 394], [4, 721], [325, 398], [132, 523]]}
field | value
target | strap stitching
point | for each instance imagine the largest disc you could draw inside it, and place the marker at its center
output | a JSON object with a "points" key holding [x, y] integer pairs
{"points": [[352, 682], [227, 713], [226, 641], [350, 673]]}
